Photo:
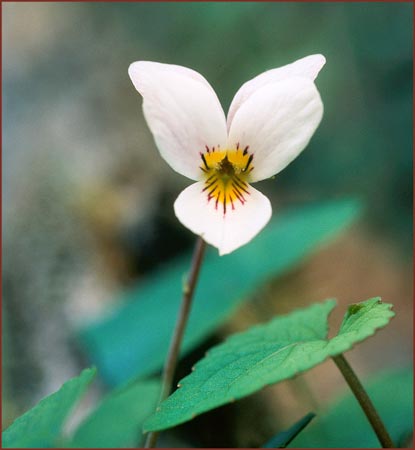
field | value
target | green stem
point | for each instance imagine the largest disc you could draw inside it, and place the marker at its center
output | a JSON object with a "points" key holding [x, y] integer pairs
{"points": [[364, 401], [176, 340]]}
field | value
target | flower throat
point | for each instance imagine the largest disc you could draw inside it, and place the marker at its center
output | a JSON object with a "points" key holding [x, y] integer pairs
{"points": [[226, 173]]}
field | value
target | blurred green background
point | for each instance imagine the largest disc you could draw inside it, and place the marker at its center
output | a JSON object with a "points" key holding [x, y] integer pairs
{"points": [[87, 199]]}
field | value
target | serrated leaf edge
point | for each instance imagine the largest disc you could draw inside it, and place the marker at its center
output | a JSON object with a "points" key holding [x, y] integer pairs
{"points": [[293, 372]]}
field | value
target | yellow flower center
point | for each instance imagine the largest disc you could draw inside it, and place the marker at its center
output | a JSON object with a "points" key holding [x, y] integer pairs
{"points": [[226, 175]]}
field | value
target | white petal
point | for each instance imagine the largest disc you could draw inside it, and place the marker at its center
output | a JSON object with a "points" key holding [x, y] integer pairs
{"points": [[182, 111], [227, 231], [307, 67], [277, 122]]}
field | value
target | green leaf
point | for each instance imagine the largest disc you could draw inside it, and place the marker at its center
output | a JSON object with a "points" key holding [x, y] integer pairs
{"points": [[40, 426], [117, 421], [392, 395], [281, 440], [266, 354], [133, 339]]}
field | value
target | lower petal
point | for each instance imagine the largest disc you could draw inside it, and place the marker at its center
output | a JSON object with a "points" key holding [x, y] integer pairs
{"points": [[225, 228]]}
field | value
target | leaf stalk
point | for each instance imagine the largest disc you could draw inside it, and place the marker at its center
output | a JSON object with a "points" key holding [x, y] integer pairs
{"points": [[363, 398]]}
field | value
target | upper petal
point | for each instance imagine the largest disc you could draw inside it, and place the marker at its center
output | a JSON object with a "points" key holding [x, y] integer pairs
{"points": [[182, 111], [226, 231], [277, 122], [307, 67]]}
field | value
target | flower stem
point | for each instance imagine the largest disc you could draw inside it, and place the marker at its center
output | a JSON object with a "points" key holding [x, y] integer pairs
{"points": [[364, 401], [176, 340]]}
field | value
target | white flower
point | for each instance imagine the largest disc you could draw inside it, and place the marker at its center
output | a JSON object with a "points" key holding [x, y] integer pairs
{"points": [[271, 119]]}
